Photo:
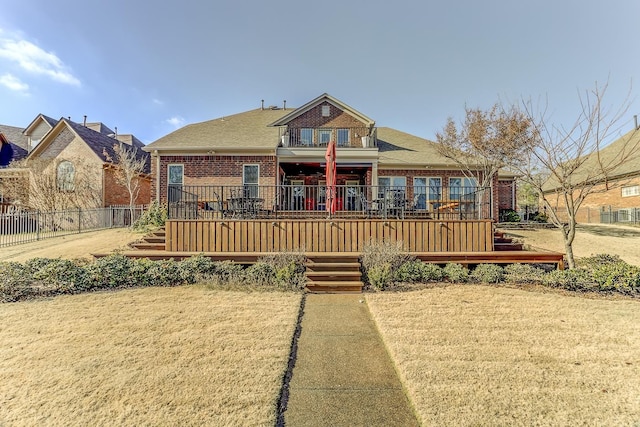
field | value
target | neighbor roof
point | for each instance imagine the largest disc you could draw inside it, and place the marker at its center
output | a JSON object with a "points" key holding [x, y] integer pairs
{"points": [[17, 140], [101, 144], [624, 150], [248, 130]]}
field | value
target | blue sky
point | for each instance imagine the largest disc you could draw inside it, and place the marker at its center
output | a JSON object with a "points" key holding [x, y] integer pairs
{"points": [[150, 67]]}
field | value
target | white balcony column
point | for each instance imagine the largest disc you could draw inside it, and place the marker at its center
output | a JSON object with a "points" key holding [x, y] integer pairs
{"points": [[374, 174]]}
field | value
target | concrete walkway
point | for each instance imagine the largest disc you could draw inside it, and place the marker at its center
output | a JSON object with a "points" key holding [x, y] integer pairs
{"points": [[343, 375]]}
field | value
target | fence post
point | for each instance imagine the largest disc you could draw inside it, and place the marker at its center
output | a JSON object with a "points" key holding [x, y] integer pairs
{"points": [[38, 224], [79, 220]]}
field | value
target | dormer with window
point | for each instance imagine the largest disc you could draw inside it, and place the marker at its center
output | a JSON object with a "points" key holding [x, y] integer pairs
{"points": [[326, 119]]}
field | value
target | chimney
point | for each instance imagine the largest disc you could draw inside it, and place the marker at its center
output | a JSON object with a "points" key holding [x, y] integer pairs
{"points": [[635, 119], [262, 105], [116, 129], [84, 123], [284, 104]]}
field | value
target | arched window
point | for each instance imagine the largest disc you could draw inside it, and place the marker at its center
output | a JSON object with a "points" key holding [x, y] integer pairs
{"points": [[66, 176]]}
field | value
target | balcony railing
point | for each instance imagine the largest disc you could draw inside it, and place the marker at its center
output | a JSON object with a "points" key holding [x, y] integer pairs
{"points": [[310, 201], [358, 137]]}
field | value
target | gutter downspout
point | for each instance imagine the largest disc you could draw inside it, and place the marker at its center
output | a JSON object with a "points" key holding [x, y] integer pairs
{"points": [[155, 153]]}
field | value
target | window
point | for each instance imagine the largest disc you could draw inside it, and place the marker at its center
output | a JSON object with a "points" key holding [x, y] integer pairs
{"points": [[250, 179], [343, 138], [633, 190], [306, 137], [65, 176], [175, 174], [326, 110], [461, 187], [387, 184], [324, 136], [426, 189]]}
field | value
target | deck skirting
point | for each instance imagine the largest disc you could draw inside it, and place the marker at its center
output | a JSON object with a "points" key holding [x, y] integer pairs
{"points": [[327, 235]]}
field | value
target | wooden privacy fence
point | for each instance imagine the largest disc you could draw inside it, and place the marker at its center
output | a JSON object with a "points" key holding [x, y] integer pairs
{"points": [[327, 235]]}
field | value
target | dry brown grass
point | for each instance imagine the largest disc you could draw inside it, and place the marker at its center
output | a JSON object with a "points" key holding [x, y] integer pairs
{"points": [[154, 356], [474, 355]]}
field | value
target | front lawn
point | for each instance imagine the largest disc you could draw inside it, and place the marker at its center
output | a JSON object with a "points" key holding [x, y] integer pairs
{"points": [[480, 355], [152, 356]]}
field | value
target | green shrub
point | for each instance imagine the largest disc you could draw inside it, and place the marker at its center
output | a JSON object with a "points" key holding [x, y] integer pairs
{"points": [[456, 273], [409, 272], [165, 273], [113, 271], [576, 279], [155, 216], [523, 273], [509, 215], [487, 273], [380, 276], [228, 272], [431, 272], [15, 282], [55, 276], [260, 274], [290, 276], [197, 268], [618, 276], [596, 261]]}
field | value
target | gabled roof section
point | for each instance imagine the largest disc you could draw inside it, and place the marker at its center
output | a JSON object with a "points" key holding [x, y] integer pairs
{"points": [[325, 97], [17, 139], [242, 132], [40, 118], [100, 144], [399, 149]]}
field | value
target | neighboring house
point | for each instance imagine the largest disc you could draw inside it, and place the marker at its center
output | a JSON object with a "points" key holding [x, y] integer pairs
{"points": [[79, 156], [620, 188], [276, 146], [17, 140]]}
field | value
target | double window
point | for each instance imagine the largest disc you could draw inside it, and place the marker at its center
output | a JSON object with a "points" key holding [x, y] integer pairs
{"points": [[390, 184], [633, 190], [426, 189], [462, 188]]}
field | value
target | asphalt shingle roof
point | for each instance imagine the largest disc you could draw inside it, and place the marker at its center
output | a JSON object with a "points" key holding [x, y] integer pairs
{"points": [[17, 140], [244, 130]]}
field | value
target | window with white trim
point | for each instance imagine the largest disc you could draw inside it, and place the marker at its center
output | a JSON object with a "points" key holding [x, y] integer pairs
{"points": [[324, 136], [250, 179], [632, 190], [342, 139], [460, 187], [306, 137], [387, 184], [426, 189]]}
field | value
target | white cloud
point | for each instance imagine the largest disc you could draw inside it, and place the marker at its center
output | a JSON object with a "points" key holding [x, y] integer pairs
{"points": [[157, 101], [176, 121], [35, 60], [12, 82]]}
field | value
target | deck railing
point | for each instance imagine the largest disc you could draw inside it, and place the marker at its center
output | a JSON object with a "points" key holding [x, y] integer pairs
{"points": [[310, 201], [358, 137]]}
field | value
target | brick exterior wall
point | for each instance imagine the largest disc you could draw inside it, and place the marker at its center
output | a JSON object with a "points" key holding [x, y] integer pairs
{"points": [[506, 194], [314, 119], [607, 195], [214, 170], [117, 194]]}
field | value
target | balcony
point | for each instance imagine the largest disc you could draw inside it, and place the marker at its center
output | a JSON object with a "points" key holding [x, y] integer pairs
{"points": [[359, 137], [310, 201]]}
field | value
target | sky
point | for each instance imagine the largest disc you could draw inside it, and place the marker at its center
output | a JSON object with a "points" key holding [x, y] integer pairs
{"points": [[150, 67]]}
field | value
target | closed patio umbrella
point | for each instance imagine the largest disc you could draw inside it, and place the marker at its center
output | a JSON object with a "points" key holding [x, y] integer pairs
{"points": [[330, 157]]}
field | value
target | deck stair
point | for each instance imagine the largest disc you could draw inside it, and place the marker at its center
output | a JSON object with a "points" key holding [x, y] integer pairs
{"points": [[333, 273], [501, 242], [154, 241]]}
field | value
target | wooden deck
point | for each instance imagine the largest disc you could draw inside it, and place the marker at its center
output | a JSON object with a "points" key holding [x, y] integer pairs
{"points": [[336, 235]]}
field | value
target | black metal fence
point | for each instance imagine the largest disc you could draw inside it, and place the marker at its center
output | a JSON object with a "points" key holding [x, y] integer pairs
{"points": [[28, 226], [310, 201]]}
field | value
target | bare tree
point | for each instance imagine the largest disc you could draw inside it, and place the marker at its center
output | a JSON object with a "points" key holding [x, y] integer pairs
{"points": [[38, 185], [565, 165], [486, 141], [128, 169]]}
